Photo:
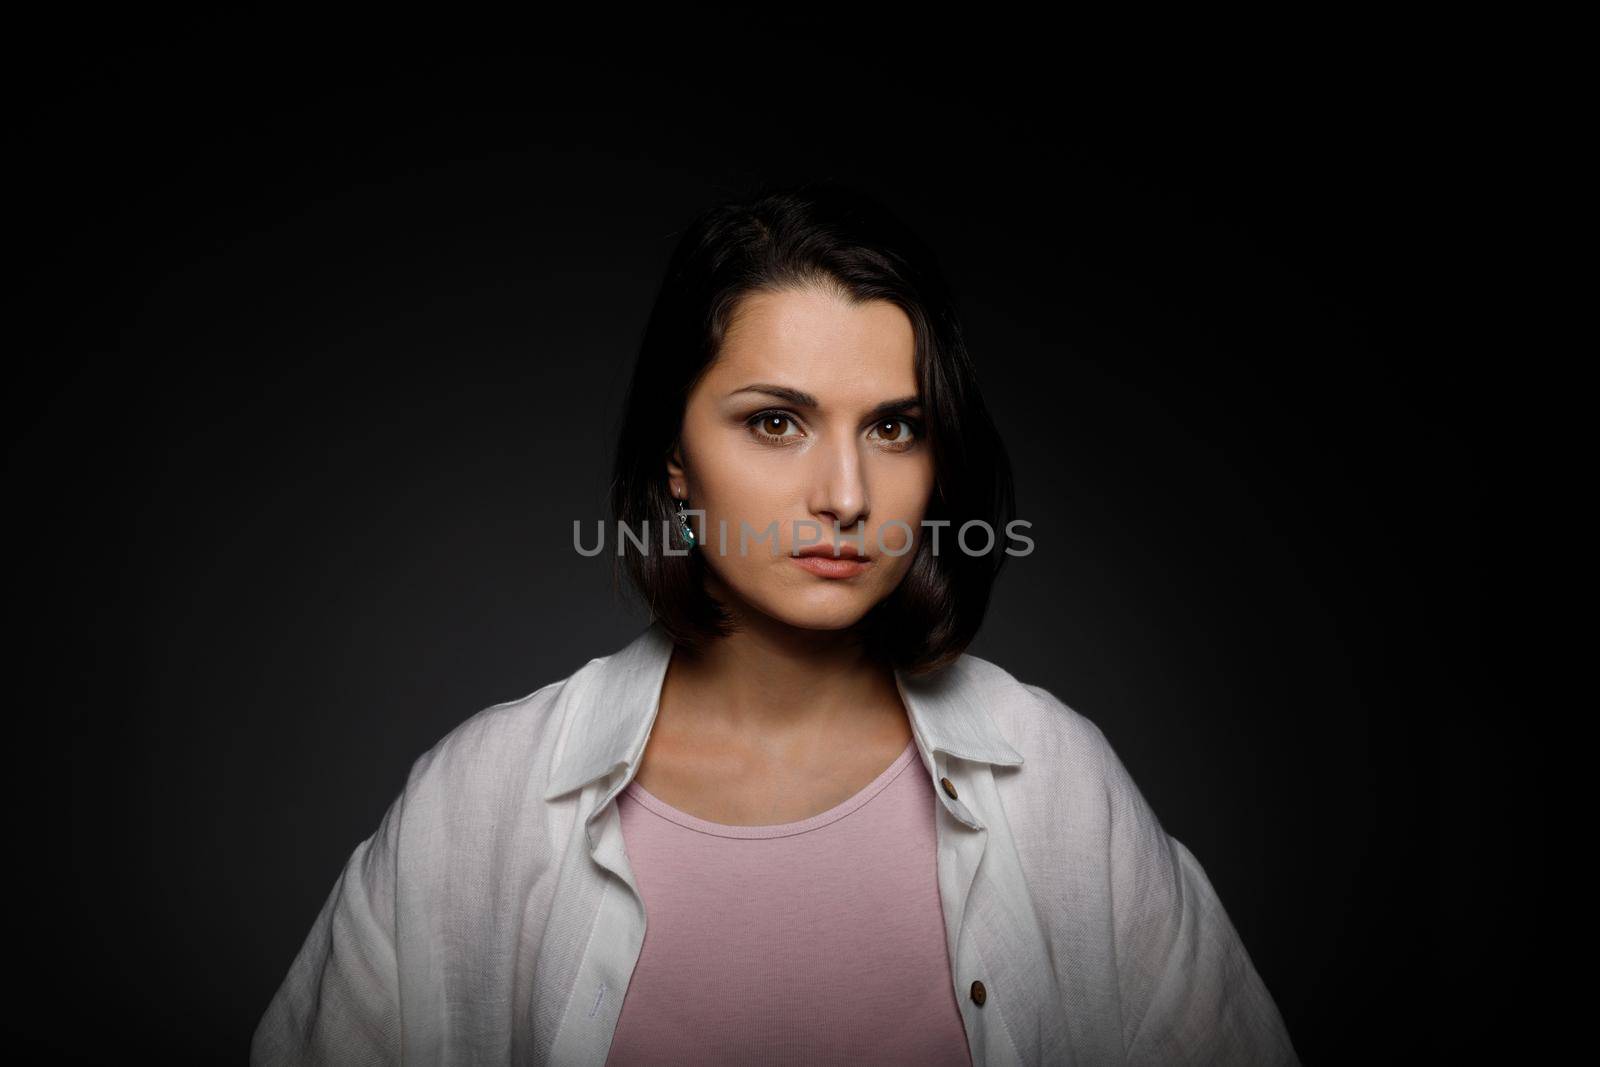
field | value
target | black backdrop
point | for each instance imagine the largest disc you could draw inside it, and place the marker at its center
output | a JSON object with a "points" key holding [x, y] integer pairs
{"points": [[334, 345]]}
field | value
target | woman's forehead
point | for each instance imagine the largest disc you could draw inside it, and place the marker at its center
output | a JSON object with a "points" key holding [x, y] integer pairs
{"points": [[820, 344]]}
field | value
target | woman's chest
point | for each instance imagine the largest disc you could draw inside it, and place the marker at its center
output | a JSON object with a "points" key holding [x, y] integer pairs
{"points": [[744, 785]]}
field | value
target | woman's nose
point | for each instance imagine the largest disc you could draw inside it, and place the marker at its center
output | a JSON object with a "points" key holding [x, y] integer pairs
{"points": [[840, 489]]}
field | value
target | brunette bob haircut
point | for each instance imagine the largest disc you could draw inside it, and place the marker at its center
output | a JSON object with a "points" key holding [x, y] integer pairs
{"points": [[810, 235]]}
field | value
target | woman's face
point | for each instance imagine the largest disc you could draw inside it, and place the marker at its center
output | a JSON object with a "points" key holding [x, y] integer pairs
{"points": [[827, 451]]}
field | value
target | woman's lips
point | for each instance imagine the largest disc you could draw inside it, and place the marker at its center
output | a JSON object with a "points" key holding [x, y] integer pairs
{"points": [[828, 567]]}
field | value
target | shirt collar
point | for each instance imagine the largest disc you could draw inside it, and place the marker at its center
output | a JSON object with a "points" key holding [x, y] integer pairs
{"points": [[610, 705]]}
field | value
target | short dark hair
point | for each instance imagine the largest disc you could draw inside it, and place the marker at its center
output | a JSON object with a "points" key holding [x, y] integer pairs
{"points": [[829, 234]]}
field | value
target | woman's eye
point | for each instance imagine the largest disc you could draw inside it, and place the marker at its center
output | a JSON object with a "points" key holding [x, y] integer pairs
{"points": [[896, 431], [773, 424]]}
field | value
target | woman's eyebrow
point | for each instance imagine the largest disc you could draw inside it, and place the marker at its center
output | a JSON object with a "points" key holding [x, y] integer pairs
{"points": [[801, 398], [782, 392]]}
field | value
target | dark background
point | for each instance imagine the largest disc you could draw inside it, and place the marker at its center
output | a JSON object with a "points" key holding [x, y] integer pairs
{"points": [[332, 355]]}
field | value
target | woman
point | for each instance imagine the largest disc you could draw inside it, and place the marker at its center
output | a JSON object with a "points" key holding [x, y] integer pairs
{"points": [[792, 821]]}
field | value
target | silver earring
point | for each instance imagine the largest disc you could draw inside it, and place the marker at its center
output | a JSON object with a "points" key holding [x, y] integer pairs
{"points": [[683, 523]]}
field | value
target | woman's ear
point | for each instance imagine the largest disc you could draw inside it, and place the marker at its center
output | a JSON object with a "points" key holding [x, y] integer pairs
{"points": [[677, 483]]}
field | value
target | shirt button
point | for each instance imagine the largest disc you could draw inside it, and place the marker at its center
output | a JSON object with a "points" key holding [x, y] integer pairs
{"points": [[979, 994], [949, 787]]}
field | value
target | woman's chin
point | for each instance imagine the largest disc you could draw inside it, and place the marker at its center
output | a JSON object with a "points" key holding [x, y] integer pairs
{"points": [[824, 612]]}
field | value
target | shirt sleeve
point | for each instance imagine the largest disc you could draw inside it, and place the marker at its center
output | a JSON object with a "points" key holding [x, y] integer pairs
{"points": [[340, 1003], [1190, 993]]}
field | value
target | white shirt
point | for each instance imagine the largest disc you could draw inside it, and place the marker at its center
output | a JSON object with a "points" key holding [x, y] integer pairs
{"points": [[492, 917]]}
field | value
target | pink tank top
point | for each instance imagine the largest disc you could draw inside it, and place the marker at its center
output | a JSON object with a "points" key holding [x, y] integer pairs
{"points": [[818, 941]]}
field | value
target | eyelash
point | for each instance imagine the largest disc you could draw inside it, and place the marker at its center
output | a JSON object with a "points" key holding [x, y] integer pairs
{"points": [[754, 422]]}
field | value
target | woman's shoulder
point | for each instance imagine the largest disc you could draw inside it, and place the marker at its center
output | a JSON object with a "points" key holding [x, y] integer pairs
{"points": [[1072, 785], [1032, 717], [498, 754]]}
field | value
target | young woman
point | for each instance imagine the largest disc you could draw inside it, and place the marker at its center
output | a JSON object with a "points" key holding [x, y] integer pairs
{"points": [[793, 821]]}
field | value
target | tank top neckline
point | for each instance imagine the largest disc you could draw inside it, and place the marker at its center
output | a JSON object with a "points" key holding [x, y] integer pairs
{"points": [[655, 804]]}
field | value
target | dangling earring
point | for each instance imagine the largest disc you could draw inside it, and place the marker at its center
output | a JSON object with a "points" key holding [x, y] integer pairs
{"points": [[683, 522]]}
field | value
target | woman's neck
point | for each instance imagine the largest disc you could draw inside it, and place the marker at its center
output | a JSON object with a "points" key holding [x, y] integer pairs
{"points": [[796, 689]]}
